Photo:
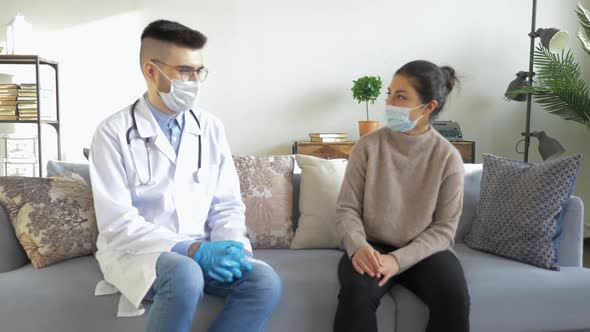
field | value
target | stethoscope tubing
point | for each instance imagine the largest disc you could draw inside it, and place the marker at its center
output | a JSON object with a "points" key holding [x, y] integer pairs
{"points": [[147, 141]]}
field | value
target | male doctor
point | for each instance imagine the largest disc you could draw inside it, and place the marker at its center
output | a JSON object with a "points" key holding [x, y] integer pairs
{"points": [[167, 196]]}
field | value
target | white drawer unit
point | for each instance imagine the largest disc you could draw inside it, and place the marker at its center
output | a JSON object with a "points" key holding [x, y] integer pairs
{"points": [[19, 147], [18, 155], [24, 168]]}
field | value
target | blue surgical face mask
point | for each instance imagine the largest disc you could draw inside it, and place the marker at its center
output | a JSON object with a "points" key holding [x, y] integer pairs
{"points": [[398, 118]]}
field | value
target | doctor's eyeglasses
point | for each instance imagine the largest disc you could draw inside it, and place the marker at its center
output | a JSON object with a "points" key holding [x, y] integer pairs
{"points": [[187, 73]]}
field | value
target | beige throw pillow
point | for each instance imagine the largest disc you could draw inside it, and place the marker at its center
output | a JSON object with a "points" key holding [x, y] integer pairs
{"points": [[320, 185], [53, 218]]}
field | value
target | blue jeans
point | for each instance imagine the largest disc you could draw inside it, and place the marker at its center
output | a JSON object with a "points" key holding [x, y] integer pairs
{"points": [[180, 284]]}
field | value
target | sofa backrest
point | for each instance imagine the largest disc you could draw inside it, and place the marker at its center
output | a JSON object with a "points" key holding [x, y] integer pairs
{"points": [[470, 198], [571, 238], [58, 168], [12, 254], [296, 191]]}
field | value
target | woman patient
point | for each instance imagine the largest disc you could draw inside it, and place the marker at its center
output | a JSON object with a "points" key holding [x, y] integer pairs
{"points": [[399, 206]]}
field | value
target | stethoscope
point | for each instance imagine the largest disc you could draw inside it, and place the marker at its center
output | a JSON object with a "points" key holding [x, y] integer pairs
{"points": [[146, 142]]}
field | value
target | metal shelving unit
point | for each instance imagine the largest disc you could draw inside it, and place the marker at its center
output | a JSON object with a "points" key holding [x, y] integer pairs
{"points": [[38, 62]]}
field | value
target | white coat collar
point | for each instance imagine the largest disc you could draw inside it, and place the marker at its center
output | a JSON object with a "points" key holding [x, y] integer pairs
{"points": [[147, 126]]}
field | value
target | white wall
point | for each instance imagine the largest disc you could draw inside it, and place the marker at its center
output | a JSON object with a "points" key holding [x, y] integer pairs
{"points": [[282, 69]]}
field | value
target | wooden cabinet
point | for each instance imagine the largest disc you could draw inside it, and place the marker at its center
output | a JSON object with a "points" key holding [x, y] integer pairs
{"points": [[467, 150], [343, 149], [324, 150]]}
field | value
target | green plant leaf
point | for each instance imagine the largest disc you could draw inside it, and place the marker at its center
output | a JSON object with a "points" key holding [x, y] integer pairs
{"points": [[367, 88], [559, 86], [585, 42], [584, 32]]}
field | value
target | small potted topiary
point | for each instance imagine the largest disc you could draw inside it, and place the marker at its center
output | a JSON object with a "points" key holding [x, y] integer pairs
{"points": [[367, 89]]}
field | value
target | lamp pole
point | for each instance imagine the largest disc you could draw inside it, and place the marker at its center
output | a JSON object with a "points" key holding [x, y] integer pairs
{"points": [[529, 101]]}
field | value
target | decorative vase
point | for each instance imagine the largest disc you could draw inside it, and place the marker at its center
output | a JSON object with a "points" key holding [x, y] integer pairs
{"points": [[367, 127], [19, 35]]}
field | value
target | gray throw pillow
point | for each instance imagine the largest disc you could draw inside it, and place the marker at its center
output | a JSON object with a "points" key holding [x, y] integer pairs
{"points": [[520, 208]]}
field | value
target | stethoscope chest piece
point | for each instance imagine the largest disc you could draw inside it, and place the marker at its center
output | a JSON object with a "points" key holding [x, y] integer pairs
{"points": [[196, 176]]}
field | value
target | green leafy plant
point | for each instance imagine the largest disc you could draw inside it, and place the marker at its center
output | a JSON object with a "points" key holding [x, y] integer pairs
{"points": [[367, 89], [584, 32], [559, 86]]}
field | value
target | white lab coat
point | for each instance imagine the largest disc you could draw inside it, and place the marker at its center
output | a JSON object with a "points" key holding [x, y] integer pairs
{"points": [[137, 222]]}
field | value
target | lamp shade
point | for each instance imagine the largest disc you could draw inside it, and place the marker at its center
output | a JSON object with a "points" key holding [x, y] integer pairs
{"points": [[548, 147], [518, 83], [554, 40]]}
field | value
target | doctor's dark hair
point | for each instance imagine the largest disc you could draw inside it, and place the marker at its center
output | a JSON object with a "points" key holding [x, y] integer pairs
{"points": [[430, 81], [174, 32]]}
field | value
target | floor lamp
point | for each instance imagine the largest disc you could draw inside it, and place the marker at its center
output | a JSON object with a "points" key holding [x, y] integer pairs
{"points": [[555, 41]]}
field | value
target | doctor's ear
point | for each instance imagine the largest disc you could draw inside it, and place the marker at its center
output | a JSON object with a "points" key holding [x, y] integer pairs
{"points": [[149, 70]]}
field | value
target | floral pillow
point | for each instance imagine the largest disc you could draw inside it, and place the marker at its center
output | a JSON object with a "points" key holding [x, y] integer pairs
{"points": [[267, 191], [53, 218]]}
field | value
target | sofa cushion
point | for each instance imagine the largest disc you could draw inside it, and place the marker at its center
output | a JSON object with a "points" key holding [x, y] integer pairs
{"points": [[53, 218], [62, 299], [59, 298], [520, 208], [267, 191], [507, 295], [321, 180], [310, 293], [527, 298]]}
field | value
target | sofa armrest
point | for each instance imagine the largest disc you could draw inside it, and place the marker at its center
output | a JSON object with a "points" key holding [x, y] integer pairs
{"points": [[12, 255], [571, 241]]}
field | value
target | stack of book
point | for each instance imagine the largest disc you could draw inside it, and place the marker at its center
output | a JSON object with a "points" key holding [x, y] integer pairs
{"points": [[8, 95], [27, 102], [328, 137]]}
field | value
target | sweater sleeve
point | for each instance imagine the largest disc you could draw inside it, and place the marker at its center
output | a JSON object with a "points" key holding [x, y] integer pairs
{"points": [[439, 236], [349, 206]]}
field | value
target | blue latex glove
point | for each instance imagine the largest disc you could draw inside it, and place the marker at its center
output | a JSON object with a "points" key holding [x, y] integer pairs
{"points": [[222, 260]]}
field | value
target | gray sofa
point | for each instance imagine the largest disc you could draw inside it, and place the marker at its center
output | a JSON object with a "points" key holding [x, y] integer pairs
{"points": [[505, 295]]}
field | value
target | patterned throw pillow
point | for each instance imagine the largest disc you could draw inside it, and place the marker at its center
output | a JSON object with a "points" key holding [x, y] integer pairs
{"points": [[53, 218], [520, 206], [267, 192]]}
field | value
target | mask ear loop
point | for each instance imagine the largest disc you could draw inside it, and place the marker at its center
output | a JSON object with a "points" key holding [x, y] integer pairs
{"points": [[160, 70], [421, 116], [168, 78]]}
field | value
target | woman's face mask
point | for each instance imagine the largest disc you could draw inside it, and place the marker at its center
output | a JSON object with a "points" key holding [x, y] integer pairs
{"points": [[398, 118], [402, 99]]}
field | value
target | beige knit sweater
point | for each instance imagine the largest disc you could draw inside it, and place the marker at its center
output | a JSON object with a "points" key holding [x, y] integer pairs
{"points": [[404, 191]]}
